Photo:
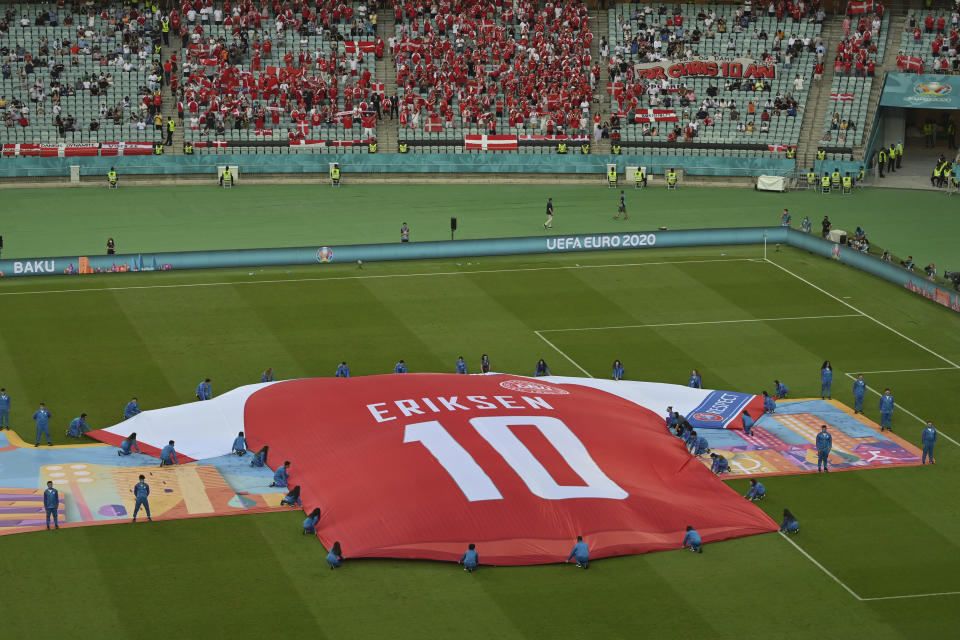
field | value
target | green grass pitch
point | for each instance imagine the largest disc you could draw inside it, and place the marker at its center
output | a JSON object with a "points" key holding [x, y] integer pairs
{"points": [[88, 345]]}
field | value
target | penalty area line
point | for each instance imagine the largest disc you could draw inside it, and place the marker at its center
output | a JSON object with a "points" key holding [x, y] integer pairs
{"points": [[189, 285], [854, 593], [704, 322], [569, 359]]}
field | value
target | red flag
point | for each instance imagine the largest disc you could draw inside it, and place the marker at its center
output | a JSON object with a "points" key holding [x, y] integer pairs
{"points": [[842, 97], [860, 6], [910, 63], [777, 148], [307, 143], [367, 47], [490, 143], [377, 87], [263, 132], [433, 124]]}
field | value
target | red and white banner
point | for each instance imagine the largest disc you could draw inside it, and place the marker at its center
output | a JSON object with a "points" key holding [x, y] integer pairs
{"points": [[777, 148], [126, 149], [841, 97], [366, 46], [860, 6], [433, 124], [263, 132], [655, 115], [706, 67], [420, 465], [22, 149], [490, 143], [534, 138], [377, 87]]}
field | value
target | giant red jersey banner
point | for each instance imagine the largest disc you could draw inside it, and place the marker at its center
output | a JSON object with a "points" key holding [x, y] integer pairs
{"points": [[421, 465]]}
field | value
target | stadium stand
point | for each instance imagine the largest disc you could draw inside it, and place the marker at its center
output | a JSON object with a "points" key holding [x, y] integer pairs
{"points": [[929, 42], [753, 109], [493, 76], [252, 76]]}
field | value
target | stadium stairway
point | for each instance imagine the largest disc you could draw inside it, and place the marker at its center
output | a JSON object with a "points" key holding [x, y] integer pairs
{"points": [[812, 128], [887, 65], [598, 23], [387, 129], [170, 100]]}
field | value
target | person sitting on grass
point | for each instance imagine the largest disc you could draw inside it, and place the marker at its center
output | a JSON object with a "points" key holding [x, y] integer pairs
{"points": [[310, 523], [292, 499], [698, 445], [541, 369], [470, 558], [789, 524], [239, 445], [719, 464], [580, 553], [281, 476], [692, 541], [131, 409], [780, 389], [618, 371], [335, 557], [129, 445], [78, 426], [756, 491], [260, 459]]}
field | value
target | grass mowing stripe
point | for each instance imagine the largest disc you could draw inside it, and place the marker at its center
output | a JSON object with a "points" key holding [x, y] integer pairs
{"points": [[885, 326], [372, 276], [685, 324]]}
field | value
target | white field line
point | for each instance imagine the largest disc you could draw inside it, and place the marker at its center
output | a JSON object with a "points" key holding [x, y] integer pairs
{"points": [[854, 593], [688, 324], [900, 407], [557, 349], [908, 370], [371, 277], [848, 305], [820, 566]]}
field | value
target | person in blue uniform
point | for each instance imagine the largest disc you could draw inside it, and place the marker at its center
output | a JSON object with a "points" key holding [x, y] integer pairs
{"points": [[826, 379], [541, 369], [4, 410], [769, 404], [698, 445], [239, 447], [617, 370], [859, 392], [78, 426], [928, 438], [204, 390], [692, 540], [42, 417], [131, 409], [141, 491], [461, 366], [670, 420], [470, 558], [292, 499], [51, 504], [343, 371], [168, 455], [335, 557], [747, 421], [695, 381], [756, 491], [260, 458], [129, 445], [310, 522], [580, 553], [282, 475], [484, 363], [780, 389], [267, 375], [886, 410], [719, 464], [789, 524], [824, 445], [401, 367]]}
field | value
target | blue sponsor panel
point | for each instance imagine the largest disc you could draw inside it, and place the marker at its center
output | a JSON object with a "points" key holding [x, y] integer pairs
{"points": [[718, 409]]}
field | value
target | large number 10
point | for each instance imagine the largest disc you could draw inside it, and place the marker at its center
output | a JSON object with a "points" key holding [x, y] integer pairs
{"points": [[476, 485]]}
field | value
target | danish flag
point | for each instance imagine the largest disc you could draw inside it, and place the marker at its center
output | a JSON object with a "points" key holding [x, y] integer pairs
{"points": [[490, 143]]}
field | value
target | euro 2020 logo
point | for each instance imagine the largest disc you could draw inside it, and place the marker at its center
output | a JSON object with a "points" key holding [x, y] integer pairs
{"points": [[324, 254], [931, 89]]}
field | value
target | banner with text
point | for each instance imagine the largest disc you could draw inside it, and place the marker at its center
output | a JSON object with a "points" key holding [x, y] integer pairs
{"points": [[706, 67]]}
